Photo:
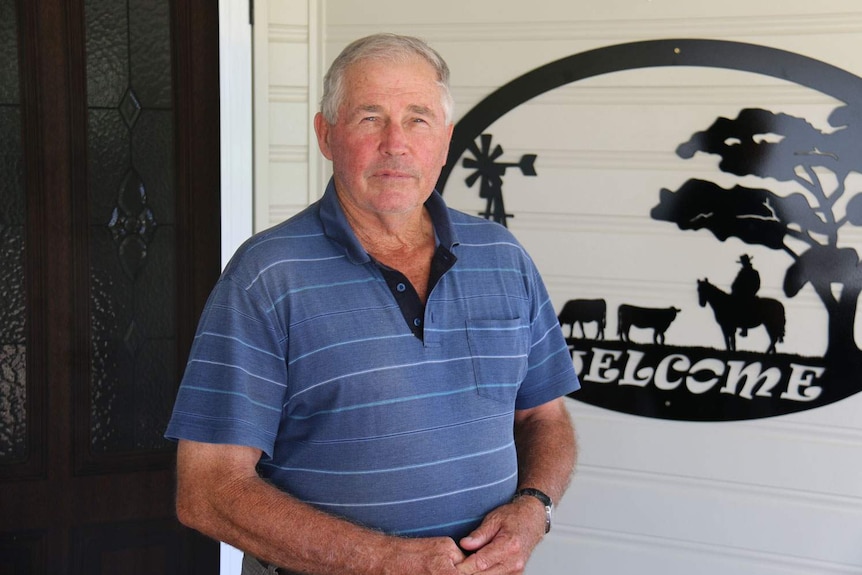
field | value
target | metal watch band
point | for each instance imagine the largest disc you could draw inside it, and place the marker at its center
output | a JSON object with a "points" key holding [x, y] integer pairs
{"points": [[546, 501]]}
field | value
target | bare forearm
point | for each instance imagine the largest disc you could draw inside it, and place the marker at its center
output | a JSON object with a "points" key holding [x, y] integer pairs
{"points": [[231, 504], [547, 450], [272, 526]]}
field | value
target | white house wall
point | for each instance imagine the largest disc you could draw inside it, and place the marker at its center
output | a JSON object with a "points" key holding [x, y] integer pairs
{"points": [[780, 495], [286, 33]]}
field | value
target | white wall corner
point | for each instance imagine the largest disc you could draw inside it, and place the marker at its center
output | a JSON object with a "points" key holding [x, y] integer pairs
{"points": [[260, 51], [317, 169]]}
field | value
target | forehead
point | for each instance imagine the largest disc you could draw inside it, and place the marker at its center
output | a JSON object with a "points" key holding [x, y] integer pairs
{"points": [[411, 79]]}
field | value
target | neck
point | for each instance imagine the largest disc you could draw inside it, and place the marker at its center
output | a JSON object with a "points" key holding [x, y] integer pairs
{"points": [[406, 244], [382, 234]]}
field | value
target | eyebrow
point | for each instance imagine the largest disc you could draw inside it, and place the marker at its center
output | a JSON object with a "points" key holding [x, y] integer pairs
{"points": [[413, 108], [421, 110]]}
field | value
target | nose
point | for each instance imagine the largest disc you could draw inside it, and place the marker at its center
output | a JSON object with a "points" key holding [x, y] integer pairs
{"points": [[394, 139]]}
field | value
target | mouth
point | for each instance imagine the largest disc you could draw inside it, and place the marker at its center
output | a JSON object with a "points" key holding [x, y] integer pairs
{"points": [[392, 174], [392, 170]]}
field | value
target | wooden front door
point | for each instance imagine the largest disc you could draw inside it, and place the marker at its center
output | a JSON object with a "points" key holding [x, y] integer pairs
{"points": [[109, 245]]}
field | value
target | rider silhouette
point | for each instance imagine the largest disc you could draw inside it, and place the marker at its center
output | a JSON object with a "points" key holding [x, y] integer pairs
{"points": [[744, 288]]}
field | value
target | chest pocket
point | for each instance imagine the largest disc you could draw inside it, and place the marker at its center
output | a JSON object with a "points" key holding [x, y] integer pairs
{"points": [[499, 350]]}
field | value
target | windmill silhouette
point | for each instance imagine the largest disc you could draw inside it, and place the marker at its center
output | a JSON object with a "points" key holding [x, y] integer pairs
{"points": [[491, 174]]}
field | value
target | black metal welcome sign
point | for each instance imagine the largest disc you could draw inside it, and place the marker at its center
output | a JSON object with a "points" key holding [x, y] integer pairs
{"points": [[808, 227]]}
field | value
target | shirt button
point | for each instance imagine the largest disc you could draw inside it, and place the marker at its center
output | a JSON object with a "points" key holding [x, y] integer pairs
{"points": [[401, 287], [417, 322]]}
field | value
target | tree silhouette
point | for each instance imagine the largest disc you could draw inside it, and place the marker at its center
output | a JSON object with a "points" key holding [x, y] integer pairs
{"points": [[787, 149]]}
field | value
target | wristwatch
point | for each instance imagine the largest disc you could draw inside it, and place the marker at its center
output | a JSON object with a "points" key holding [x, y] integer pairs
{"points": [[546, 501]]}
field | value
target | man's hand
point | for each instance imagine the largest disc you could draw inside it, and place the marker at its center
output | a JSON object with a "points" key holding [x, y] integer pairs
{"points": [[505, 539], [545, 441], [430, 556]]}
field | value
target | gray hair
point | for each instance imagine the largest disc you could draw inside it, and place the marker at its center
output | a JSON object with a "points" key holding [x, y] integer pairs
{"points": [[387, 48]]}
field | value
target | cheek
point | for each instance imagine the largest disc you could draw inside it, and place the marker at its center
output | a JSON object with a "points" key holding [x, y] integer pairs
{"points": [[349, 155], [438, 148], [440, 155]]}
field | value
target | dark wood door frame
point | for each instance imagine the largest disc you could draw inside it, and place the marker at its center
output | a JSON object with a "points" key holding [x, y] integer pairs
{"points": [[65, 512]]}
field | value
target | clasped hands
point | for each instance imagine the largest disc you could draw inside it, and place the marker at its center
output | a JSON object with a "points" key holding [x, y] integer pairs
{"points": [[501, 545]]}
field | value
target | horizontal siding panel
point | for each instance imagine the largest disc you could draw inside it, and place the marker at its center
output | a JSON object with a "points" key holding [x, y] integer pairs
{"points": [[748, 454], [660, 497], [601, 552], [618, 93], [576, 25], [343, 12], [661, 128]]}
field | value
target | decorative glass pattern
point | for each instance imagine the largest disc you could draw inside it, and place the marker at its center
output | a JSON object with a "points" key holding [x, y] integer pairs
{"points": [[132, 224], [13, 305], [132, 233]]}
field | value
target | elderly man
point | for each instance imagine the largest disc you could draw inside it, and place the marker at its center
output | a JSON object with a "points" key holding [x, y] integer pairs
{"points": [[377, 385]]}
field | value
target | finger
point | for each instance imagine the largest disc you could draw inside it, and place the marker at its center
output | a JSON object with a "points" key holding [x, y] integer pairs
{"points": [[469, 566], [480, 536], [475, 566], [486, 558]]}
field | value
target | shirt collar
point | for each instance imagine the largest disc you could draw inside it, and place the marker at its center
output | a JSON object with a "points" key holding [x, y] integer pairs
{"points": [[336, 227]]}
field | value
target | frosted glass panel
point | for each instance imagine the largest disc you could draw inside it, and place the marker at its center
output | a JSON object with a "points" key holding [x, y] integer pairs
{"points": [[132, 235], [13, 305]]}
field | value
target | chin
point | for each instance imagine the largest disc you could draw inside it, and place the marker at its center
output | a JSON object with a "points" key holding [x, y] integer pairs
{"points": [[395, 209], [398, 199]]}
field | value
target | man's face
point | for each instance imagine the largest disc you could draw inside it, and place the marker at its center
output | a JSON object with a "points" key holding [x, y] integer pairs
{"points": [[391, 137]]}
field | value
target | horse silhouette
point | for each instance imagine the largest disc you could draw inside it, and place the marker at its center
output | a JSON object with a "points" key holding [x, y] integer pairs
{"points": [[731, 314]]}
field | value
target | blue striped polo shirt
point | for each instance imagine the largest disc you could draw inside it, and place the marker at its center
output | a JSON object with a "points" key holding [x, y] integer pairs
{"points": [[303, 353]]}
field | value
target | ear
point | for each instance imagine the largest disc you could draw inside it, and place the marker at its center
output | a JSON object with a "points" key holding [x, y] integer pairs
{"points": [[450, 129], [321, 128]]}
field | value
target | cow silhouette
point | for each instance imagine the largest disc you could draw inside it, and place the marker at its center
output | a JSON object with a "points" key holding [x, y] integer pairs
{"points": [[657, 319], [581, 311]]}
